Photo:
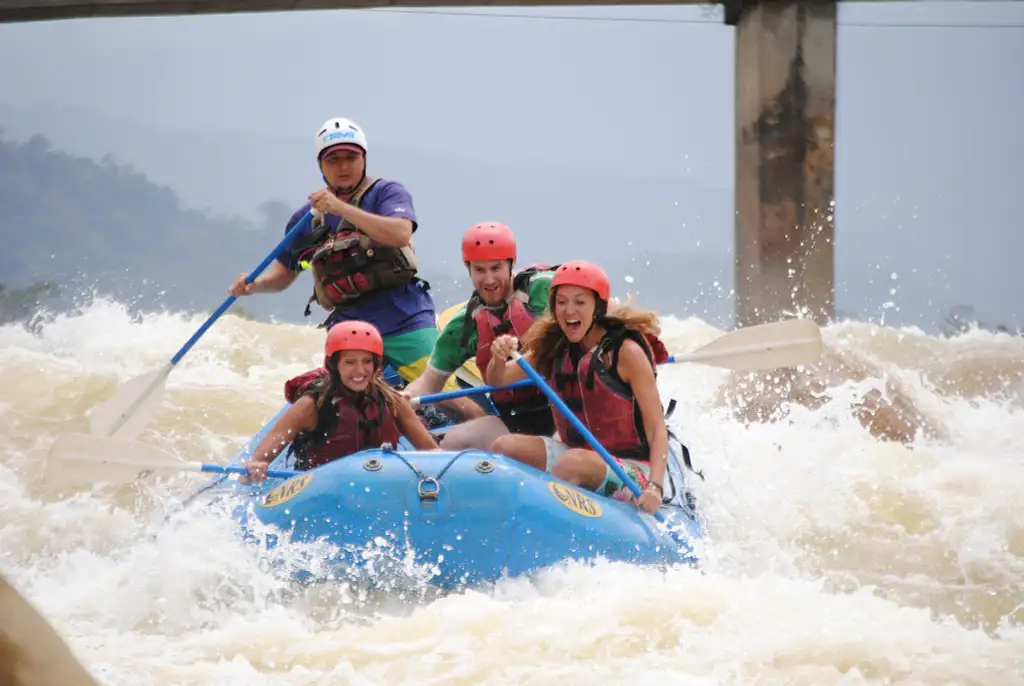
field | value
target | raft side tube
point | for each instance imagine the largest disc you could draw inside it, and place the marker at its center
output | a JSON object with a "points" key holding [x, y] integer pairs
{"points": [[472, 515], [452, 511], [468, 517]]}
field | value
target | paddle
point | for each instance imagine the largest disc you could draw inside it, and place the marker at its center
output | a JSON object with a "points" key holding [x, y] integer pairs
{"points": [[438, 397], [583, 430], [31, 652], [766, 346], [788, 343], [76, 459], [128, 411]]}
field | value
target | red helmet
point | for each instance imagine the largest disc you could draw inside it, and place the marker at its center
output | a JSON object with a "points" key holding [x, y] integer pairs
{"points": [[488, 241], [584, 275], [354, 335]]}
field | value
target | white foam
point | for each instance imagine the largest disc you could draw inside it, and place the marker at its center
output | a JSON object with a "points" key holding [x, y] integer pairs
{"points": [[832, 558]]}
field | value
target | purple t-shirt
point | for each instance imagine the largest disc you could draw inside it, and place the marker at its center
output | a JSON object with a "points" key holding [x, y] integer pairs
{"points": [[394, 311]]}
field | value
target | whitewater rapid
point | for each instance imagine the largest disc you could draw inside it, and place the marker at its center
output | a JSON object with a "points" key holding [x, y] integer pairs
{"points": [[834, 556]]}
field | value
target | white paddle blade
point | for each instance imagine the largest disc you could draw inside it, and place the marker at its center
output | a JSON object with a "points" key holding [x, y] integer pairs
{"points": [[31, 652], [766, 346], [468, 377], [79, 460], [128, 411]]}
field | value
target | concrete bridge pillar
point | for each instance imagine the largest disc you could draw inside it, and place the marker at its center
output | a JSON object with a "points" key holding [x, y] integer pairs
{"points": [[785, 158]]}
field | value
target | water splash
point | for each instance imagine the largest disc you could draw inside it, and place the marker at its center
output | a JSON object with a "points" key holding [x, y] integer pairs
{"points": [[839, 551]]}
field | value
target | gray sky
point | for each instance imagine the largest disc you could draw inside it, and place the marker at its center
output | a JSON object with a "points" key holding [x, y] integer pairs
{"points": [[930, 153]]}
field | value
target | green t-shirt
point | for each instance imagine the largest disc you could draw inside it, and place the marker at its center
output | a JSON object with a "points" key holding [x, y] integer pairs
{"points": [[449, 353]]}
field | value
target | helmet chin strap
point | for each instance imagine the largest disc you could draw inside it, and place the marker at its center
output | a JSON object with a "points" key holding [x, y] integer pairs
{"points": [[600, 310]]}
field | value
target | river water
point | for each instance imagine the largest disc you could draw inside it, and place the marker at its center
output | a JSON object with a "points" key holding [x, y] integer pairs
{"points": [[835, 555]]}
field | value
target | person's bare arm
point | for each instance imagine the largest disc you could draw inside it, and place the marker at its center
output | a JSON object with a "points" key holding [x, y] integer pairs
{"points": [[429, 382], [501, 370], [301, 416], [636, 371], [411, 426], [395, 232], [391, 231], [274, 279]]}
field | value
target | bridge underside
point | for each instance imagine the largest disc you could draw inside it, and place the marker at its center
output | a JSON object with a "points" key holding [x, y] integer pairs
{"points": [[784, 119], [34, 10]]}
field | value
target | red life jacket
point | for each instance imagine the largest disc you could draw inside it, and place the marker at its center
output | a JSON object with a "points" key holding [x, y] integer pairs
{"points": [[347, 264], [516, 319], [346, 424], [602, 401]]}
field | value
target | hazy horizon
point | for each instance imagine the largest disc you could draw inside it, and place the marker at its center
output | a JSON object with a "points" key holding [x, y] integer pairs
{"points": [[928, 159]]}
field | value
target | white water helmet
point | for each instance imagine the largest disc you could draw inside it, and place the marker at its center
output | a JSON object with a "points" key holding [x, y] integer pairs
{"points": [[339, 131]]}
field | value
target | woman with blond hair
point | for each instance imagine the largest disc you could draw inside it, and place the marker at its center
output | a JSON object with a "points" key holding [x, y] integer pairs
{"points": [[602, 363]]}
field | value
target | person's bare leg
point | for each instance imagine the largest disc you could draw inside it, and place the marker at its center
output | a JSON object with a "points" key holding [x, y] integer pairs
{"points": [[476, 433], [581, 467], [531, 450]]}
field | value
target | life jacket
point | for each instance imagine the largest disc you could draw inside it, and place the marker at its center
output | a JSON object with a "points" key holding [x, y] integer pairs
{"points": [[516, 318], [346, 424], [347, 264], [602, 401]]}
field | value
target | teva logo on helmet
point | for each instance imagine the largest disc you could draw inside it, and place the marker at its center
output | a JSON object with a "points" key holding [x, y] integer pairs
{"points": [[339, 131]]}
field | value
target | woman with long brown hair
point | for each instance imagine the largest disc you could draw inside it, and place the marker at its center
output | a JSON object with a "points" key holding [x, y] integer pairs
{"points": [[341, 409], [602, 364]]}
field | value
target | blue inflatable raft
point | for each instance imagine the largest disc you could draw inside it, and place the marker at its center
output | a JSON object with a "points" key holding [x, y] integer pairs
{"points": [[449, 519]]}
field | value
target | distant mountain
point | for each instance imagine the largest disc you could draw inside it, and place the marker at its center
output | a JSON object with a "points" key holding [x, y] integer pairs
{"points": [[634, 225], [231, 172], [81, 226], [907, 248]]}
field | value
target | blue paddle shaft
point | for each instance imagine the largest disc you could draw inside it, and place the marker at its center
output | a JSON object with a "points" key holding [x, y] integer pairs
{"points": [[299, 226], [578, 425], [438, 397], [273, 473], [522, 383]]}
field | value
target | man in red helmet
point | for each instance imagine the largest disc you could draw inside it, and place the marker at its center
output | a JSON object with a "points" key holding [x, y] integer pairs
{"points": [[502, 302]]}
